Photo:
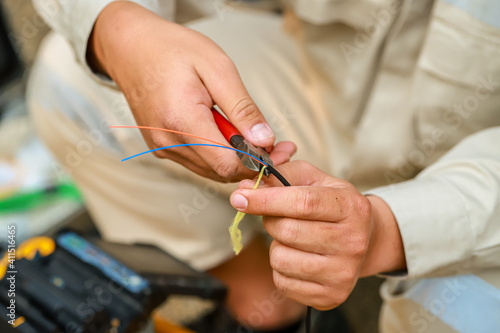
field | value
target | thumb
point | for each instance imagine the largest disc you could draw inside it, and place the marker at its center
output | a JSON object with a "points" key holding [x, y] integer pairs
{"points": [[229, 93]]}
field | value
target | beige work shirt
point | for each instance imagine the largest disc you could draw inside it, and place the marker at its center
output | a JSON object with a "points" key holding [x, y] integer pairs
{"points": [[408, 93]]}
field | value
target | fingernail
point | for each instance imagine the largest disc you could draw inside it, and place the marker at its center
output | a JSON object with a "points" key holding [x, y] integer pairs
{"points": [[261, 132], [238, 201]]}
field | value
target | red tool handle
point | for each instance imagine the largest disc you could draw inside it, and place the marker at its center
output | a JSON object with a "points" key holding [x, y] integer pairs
{"points": [[225, 127]]}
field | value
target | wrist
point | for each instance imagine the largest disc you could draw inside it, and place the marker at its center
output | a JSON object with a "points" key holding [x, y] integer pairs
{"points": [[386, 251], [113, 35]]}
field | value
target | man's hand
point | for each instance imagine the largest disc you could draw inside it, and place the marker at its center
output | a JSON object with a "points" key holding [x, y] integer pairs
{"points": [[326, 234], [171, 76]]}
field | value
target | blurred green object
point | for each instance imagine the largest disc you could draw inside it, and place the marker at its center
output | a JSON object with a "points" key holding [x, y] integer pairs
{"points": [[23, 201]]}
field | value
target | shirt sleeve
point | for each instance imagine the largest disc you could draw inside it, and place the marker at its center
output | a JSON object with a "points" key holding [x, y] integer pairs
{"points": [[74, 20], [449, 215]]}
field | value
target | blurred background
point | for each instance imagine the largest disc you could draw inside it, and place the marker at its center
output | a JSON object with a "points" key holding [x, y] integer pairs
{"points": [[39, 202], [26, 167]]}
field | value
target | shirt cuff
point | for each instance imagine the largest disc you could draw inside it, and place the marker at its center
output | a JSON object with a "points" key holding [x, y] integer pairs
{"points": [[86, 13], [432, 219]]}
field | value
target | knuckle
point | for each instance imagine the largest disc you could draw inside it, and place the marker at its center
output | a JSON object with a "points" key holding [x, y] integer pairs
{"points": [[266, 203], [277, 258], [310, 202], [340, 297], [159, 153], [333, 298], [327, 300], [345, 281], [245, 110], [358, 241], [159, 139], [347, 205], [226, 170], [289, 231], [223, 63], [359, 246], [330, 232], [220, 62], [279, 283], [363, 206], [311, 267], [356, 204]]}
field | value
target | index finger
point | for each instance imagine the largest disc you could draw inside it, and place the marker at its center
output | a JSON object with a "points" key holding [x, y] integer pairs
{"points": [[224, 84], [319, 203]]}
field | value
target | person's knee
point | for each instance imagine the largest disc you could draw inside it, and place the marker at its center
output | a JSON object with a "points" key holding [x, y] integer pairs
{"points": [[253, 299]]}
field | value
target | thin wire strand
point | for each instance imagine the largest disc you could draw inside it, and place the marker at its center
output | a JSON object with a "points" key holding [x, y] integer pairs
{"points": [[194, 144], [270, 168], [182, 133], [170, 131]]}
